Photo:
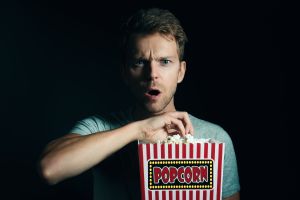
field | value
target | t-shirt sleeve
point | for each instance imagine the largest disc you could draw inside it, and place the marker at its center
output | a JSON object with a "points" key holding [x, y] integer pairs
{"points": [[231, 183], [89, 125]]}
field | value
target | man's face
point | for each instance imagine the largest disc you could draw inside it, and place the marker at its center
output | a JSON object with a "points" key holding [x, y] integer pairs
{"points": [[153, 71]]}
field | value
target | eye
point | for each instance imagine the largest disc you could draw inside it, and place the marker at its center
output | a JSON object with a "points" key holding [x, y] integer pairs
{"points": [[165, 61], [140, 63]]}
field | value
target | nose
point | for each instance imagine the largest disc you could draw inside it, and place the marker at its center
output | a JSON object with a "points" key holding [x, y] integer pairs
{"points": [[153, 71]]}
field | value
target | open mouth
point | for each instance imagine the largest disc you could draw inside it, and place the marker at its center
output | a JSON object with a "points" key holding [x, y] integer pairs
{"points": [[153, 92]]}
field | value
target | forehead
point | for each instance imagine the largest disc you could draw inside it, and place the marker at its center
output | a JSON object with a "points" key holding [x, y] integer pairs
{"points": [[155, 44]]}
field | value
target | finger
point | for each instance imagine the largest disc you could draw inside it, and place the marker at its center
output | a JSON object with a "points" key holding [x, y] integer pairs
{"points": [[184, 116], [178, 123]]}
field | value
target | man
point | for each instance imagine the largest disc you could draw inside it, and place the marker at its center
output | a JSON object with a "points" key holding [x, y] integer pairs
{"points": [[153, 65]]}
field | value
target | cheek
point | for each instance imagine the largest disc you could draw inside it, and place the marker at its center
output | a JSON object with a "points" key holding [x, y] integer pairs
{"points": [[171, 86], [132, 75]]}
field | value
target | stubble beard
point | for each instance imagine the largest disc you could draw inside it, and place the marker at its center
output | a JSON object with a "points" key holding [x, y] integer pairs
{"points": [[160, 106]]}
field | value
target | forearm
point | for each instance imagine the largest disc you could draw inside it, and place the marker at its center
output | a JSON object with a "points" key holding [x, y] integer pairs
{"points": [[68, 157]]}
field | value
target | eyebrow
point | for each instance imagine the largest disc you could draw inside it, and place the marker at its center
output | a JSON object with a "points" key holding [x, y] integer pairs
{"points": [[160, 58]]}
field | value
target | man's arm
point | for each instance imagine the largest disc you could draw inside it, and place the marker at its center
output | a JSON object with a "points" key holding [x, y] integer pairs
{"points": [[235, 196], [73, 154]]}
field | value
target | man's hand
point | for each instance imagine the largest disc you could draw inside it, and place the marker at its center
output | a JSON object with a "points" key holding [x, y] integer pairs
{"points": [[170, 123]]}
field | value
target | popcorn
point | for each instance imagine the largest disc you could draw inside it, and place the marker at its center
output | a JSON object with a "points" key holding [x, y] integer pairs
{"points": [[188, 138]]}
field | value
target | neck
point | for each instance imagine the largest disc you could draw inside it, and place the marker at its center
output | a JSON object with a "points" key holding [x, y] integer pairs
{"points": [[139, 112]]}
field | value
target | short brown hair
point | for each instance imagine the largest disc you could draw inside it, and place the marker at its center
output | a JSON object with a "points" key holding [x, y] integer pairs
{"points": [[151, 21]]}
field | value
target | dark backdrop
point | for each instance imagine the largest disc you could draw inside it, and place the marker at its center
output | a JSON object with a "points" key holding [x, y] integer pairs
{"points": [[59, 63]]}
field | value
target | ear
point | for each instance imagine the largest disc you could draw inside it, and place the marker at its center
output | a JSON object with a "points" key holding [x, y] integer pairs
{"points": [[181, 71]]}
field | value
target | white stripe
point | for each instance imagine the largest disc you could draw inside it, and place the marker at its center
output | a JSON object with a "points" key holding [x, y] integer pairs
{"points": [[180, 157], [180, 151], [194, 194], [160, 194], [158, 151], [216, 170], [166, 151], [180, 195], [145, 171], [195, 151], [187, 194], [207, 194], [173, 156], [167, 194], [202, 150], [152, 157], [187, 152], [159, 157], [223, 167], [173, 151], [201, 156], [209, 151], [195, 156], [166, 157], [187, 155], [208, 157]]}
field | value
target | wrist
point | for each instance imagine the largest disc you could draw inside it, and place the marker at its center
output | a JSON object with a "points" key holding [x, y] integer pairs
{"points": [[137, 130]]}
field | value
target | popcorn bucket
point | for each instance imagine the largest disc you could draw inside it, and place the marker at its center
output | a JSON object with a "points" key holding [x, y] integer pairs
{"points": [[181, 171]]}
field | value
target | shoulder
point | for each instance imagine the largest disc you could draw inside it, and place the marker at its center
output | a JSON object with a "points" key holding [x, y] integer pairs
{"points": [[206, 129], [101, 122], [112, 119]]}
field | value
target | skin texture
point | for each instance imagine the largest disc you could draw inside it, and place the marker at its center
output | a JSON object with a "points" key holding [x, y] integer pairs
{"points": [[153, 64]]}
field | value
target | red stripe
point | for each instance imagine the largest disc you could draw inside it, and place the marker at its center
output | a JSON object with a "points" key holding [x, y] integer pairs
{"points": [[155, 157], [197, 194], [184, 156], [162, 150], [204, 194], [164, 195], [198, 157], [213, 146], [156, 195], [177, 151], [170, 156], [155, 151], [184, 150], [177, 156], [205, 156], [198, 150], [170, 195], [191, 156], [191, 150], [150, 194], [142, 183], [219, 171], [205, 150], [148, 151], [170, 150], [148, 157]]}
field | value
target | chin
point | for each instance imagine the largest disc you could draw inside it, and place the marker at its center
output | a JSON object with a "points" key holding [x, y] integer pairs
{"points": [[154, 108]]}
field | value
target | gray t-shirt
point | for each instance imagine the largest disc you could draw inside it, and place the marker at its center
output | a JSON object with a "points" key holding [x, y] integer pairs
{"points": [[112, 183]]}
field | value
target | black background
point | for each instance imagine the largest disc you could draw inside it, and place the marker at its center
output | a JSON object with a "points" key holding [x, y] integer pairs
{"points": [[59, 63]]}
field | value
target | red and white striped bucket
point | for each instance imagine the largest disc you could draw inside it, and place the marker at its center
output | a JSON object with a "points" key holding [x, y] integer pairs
{"points": [[181, 171]]}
